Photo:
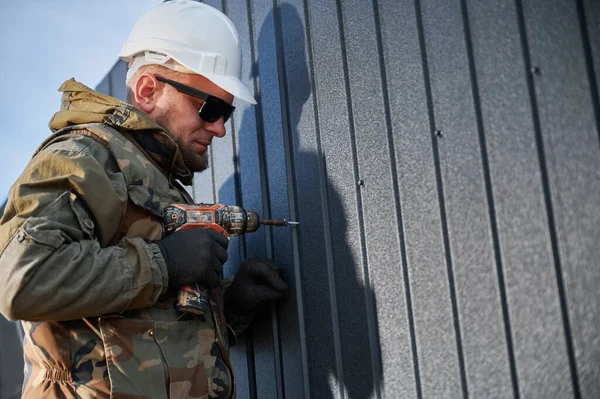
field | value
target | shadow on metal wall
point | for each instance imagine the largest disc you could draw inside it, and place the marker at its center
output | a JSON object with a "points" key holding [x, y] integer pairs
{"points": [[339, 353]]}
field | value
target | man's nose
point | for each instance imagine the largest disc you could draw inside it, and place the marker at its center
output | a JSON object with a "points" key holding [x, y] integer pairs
{"points": [[217, 128]]}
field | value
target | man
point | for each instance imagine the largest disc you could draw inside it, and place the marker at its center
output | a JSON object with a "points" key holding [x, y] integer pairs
{"points": [[85, 264]]}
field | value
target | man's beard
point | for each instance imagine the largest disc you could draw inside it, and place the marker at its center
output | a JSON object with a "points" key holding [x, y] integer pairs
{"points": [[195, 162]]}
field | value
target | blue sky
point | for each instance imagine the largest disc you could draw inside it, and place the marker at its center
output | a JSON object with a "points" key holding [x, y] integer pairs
{"points": [[42, 44]]}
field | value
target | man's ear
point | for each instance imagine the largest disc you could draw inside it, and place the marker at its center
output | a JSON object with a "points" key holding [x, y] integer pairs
{"points": [[145, 92]]}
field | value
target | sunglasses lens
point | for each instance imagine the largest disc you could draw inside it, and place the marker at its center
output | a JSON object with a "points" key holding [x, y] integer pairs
{"points": [[214, 109]]}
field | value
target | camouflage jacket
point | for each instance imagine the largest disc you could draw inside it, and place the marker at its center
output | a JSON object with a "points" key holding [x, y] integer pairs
{"points": [[78, 266]]}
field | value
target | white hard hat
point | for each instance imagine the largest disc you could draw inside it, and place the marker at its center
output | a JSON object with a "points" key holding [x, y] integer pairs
{"points": [[199, 37]]}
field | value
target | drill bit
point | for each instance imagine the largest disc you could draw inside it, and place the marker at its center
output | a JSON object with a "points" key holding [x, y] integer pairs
{"points": [[277, 222]]}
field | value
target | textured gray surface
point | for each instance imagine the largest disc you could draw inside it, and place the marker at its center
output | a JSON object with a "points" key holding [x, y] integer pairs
{"points": [[11, 358], [265, 360], [295, 95], [420, 223], [11, 353], [330, 246], [480, 281], [466, 214], [572, 153], [534, 308], [383, 287], [244, 115]]}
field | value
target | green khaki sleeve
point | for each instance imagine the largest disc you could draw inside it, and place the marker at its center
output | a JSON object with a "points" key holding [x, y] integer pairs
{"points": [[61, 213]]}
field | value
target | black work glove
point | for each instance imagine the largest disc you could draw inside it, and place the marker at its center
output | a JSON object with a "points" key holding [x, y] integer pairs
{"points": [[194, 256], [256, 283]]}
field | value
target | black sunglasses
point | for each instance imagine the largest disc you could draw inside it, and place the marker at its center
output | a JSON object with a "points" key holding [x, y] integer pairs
{"points": [[213, 107]]}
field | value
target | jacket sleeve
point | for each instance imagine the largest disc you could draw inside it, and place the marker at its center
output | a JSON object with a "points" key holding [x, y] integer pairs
{"points": [[61, 213]]}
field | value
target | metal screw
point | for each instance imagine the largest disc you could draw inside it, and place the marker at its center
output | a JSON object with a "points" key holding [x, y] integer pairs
{"points": [[361, 183], [439, 133], [536, 70]]}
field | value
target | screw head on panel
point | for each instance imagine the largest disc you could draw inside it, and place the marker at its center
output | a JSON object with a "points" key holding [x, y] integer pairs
{"points": [[361, 183], [536, 70], [439, 133]]}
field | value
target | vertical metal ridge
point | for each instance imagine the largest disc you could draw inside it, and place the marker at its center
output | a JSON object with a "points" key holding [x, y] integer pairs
{"points": [[440, 190], [589, 62], [396, 190], [548, 200], [243, 253], [265, 193], [323, 188], [425, 69], [277, 353], [296, 243], [237, 180], [292, 191], [252, 386], [288, 153], [371, 320], [490, 198], [250, 366], [212, 176]]}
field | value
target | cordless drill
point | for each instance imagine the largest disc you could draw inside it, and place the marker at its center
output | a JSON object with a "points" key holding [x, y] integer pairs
{"points": [[229, 220]]}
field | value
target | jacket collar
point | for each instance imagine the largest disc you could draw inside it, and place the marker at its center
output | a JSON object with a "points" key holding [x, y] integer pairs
{"points": [[81, 105]]}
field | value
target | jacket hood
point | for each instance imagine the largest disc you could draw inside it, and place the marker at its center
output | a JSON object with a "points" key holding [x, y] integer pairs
{"points": [[82, 105]]}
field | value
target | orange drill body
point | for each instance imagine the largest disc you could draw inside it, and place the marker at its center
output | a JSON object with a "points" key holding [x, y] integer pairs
{"points": [[226, 219]]}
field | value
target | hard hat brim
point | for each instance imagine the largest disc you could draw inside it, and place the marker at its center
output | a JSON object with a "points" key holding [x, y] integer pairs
{"points": [[232, 85]]}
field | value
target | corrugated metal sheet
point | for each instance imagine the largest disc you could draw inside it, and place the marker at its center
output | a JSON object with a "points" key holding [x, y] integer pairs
{"points": [[11, 354], [443, 158]]}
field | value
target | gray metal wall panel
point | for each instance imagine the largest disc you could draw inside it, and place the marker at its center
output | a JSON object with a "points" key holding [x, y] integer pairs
{"points": [[420, 216], [572, 152], [384, 299], [295, 85], [327, 206], [11, 357], [464, 204], [465, 263], [118, 88], [104, 86], [268, 383], [203, 187], [524, 240]]}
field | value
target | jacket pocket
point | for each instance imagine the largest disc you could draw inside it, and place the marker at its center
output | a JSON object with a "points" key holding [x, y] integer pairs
{"points": [[194, 360], [45, 229], [84, 217], [64, 220], [161, 359], [133, 359]]}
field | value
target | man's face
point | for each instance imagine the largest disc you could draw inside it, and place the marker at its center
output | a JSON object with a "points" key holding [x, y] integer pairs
{"points": [[178, 113]]}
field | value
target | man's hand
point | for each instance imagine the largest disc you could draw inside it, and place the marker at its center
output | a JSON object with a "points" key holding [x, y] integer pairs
{"points": [[256, 283], [194, 256]]}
